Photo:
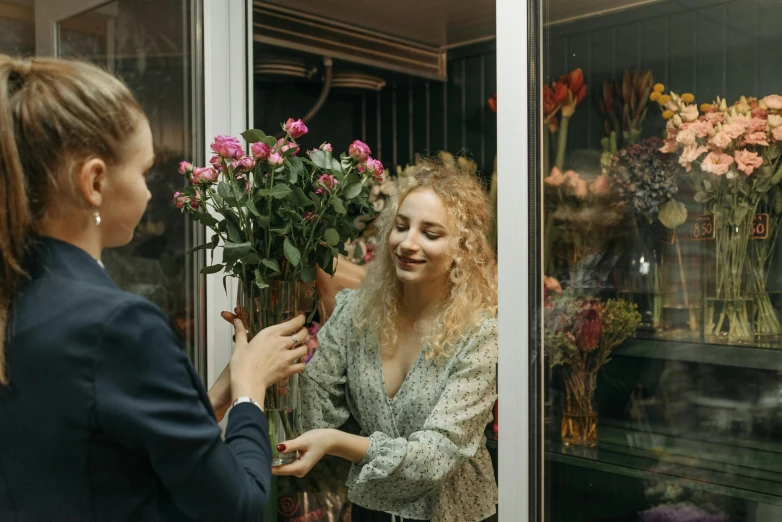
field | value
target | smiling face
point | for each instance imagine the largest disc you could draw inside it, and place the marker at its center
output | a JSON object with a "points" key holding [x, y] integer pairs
{"points": [[420, 241]]}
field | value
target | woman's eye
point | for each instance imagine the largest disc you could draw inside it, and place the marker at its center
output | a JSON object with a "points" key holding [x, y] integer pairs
{"points": [[401, 228], [432, 236]]}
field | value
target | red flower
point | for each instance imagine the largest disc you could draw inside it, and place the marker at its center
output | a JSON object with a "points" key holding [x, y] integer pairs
{"points": [[589, 326], [560, 93], [493, 102]]}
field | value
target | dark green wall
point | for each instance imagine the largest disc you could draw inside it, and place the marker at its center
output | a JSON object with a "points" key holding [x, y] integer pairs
{"points": [[705, 47], [409, 116]]}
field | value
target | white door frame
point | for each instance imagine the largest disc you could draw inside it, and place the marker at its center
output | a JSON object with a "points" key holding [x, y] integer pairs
{"points": [[513, 239], [228, 88], [48, 13]]}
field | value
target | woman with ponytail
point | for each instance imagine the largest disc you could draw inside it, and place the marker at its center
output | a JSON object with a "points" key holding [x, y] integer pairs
{"points": [[102, 416]]}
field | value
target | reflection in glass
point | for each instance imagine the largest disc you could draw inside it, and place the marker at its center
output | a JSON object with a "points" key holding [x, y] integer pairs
{"points": [[661, 132], [147, 44], [17, 27]]}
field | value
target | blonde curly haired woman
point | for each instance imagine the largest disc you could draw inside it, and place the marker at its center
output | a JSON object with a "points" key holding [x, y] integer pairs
{"points": [[412, 355]]}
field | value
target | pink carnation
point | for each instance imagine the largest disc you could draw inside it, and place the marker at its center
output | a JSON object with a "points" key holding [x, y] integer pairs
{"points": [[600, 186], [717, 163], [690, 154], [721, 140], [747, 161], [757, 124], [773, 102], [714, 117], [296, 128], [687, 136], [670, 146], [702, 128], [689, 113], [734, 130], [555, 178]]}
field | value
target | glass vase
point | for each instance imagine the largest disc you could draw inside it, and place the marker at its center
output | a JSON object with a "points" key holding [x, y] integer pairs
{"points": [[280, 301], [680, 286], [579, 418]]}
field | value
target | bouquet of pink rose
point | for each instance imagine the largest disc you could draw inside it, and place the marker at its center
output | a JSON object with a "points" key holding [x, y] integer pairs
{"points": [[738, 148], [278, 215]]}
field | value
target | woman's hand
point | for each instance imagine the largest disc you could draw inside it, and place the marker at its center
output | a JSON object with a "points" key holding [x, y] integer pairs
{"points": [[312, 446]]}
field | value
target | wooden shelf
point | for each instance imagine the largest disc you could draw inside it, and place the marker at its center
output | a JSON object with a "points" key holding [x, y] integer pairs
{"points": [[767, 357]]}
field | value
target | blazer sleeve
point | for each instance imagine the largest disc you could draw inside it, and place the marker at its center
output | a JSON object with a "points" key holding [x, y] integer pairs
{"points": [[148, 398]]}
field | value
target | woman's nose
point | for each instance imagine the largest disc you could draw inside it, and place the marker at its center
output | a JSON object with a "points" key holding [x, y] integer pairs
{"points": [[409, 243]]}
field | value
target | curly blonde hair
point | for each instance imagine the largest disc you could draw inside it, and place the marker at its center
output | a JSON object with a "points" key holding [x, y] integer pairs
{"points": [[472, 296]]}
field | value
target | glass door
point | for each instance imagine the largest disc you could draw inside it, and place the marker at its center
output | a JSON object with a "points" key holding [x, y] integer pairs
{"points": [[151, 45], [659, 128]]}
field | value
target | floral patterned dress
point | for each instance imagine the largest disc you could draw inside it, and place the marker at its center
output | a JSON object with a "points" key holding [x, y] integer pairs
{"points": [[427, 455]]}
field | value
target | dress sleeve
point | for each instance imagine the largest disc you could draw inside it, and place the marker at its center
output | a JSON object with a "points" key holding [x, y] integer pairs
{"points": [[323, 383], [148, 398], [402, 470]]}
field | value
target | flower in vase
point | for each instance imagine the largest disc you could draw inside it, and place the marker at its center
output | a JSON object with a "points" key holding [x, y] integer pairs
{"points": [[588, 326], [326, 147], [326, 181], [359, 150], [216, 162], [734, 129], [205, 175], [275, 159], [576, 184], [755, 138], [747, 161], [774, 120], [296, 128], [687, 136], [716, 162], [260, 150], [702, 128], [247, 164], [690, 154], [185, 168], [773, 102], [757, 125], [555, 178], [777, 133], [552, 284], [721, 140], [600, 187], [375, 169], [227, 147], [689, 113]]}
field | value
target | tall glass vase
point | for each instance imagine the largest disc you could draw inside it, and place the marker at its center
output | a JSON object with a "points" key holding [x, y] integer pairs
{"points": [[579, 417], [261, 308]]}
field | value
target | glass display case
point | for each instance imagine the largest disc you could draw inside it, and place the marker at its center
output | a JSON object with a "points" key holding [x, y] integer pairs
{"points": [[660, 171]]}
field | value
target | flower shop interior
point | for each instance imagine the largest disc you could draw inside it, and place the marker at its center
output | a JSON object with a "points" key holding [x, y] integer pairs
{"points": [[655, 207]]}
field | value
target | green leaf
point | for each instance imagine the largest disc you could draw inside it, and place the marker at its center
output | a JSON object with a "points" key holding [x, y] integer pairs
{"points": [[253, 135], [778, 174], [199, 247], [331, 236], [232, 252], [263, 222], [253, 209], [308, 273], [207, 219], [224, 189], [702, 197], [328, 263], [263, 193], [325, 161], [272, 264], [212, 269], [234, 235], [292, 253], [672, 214], [301, 198], [353, 190], [338, 206], [778, 201], [271, 141], [251, 259], [296, 168], [281, 191], [189, 191], [259, 281]]}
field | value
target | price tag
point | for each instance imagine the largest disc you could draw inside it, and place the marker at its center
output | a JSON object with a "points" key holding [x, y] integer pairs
{"points": [[760, 227], [703, 227], [662, 233]]}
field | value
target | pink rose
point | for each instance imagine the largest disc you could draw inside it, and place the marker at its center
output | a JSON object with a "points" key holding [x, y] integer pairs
{"points": [[555, 178], [721, 140], [757, 124], [600, 186], [747, 161], [216, 162], [777, 133], [292, 147], [296, 129], [758, 112], [359, 150], [773, 102], [247, 164], [756, 138], [260, 150], [671, 129], [276, 159], [326, 147], [180, 199], [185, 168], [552, 284], [717, 163], [375, 168], [689, 113], [690, 154], [734, 130], [203, 175], [228, 147], [671, 106], [328, 181]]}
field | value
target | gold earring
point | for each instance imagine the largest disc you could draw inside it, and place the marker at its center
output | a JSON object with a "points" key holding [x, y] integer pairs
{"points": [[96, 215]]}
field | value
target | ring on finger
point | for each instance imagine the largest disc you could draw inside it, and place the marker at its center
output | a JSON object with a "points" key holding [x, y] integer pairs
{"points": [[295, 340]]}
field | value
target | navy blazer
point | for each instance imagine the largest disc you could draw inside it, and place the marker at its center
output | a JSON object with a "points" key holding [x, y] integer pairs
{"points": [[105, 418]]}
